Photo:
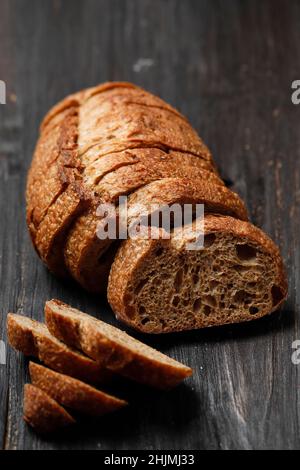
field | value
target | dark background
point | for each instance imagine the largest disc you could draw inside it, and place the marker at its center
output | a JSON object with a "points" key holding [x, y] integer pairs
{"points": [[227, 65]]}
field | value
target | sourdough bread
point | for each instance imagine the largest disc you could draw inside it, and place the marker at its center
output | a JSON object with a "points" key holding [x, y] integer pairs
{"points": [[113, 348], [43, 413], [33, 339], [115, 140], [83, 250], [96, 145], [159, 286], [73, 393]]}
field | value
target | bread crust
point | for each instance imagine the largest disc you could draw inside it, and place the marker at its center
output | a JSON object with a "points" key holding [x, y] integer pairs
{"points": [[43, 413], [80, 160], [98, 144], [133, 254], [113, 348], [73, 393], [33, 339]]}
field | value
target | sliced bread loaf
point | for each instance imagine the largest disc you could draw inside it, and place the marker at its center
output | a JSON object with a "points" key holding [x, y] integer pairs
{"points": [[73, 393], [43, 413], [86, 251], [34, 339], [81, 160], [113, 348], [159, 286]]}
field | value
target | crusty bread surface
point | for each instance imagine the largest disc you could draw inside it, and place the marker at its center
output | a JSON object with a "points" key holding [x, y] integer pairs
{"points": [[34, 339], [73, 393], [95, 146], [113, 348], [114, 140], [43, 413]]}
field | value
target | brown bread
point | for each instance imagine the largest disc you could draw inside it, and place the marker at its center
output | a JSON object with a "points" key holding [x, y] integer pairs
{"points": [[96, 145], [33, 339], [159, 286], [115, 140], [113, 348], [73, 393], [43, 413]]}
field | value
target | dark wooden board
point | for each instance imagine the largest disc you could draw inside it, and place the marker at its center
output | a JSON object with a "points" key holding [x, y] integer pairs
{"points": [[228, 66]]}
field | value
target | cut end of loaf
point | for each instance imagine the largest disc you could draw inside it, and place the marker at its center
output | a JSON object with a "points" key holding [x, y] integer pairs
{"points": [[238, 276]]}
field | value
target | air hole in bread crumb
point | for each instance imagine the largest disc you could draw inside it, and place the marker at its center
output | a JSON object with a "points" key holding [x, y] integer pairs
{"points": [[142, 309], [253, 310], [277, 295], [195, 279], [175, 301], [159, 251], [241, 269], [178, 280], [140, 285], [197, 305], [252, 284], [245, 252], [145, 320], [210, 300], [207, 310], [213, 284], [240, 296], [130, 311], [209, 240]]}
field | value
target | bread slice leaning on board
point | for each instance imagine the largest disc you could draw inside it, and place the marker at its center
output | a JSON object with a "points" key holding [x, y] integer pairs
{"points": [[119, 140]]}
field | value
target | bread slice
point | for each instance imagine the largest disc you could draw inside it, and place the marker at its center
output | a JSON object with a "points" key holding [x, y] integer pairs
{"points": [[151, 165], [73, 393], [142, 160], [158, 286], [113, 348], [33, 339], [102, 130], [43, 413]]}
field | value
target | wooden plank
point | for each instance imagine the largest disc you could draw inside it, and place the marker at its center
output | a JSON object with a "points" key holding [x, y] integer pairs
{"points": [[228, 66]]}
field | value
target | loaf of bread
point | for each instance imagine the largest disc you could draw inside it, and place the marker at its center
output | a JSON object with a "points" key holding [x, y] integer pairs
{"points": [[119, 140]]}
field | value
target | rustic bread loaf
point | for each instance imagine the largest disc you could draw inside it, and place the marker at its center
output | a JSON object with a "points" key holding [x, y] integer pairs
{"points": [[33, 339], [94, 146], [164, 192], [73, 393], [119, 140], [159, 286], [43, 413], [113, 348]]}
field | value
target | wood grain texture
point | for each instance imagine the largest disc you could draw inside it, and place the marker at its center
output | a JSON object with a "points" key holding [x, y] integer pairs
{"points": [[228, 66]]}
